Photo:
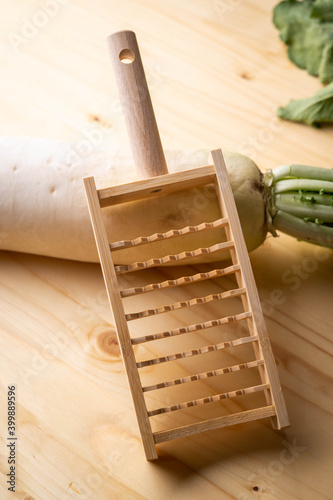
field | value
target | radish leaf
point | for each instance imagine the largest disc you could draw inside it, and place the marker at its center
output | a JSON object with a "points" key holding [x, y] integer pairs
{"points": [[314, 110]]}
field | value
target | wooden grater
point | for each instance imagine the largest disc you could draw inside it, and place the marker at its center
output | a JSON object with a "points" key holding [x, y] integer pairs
{"points": [[150, 163]]}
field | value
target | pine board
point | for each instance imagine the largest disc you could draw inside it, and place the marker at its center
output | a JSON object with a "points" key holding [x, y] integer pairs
{"points": [[217, 72]]}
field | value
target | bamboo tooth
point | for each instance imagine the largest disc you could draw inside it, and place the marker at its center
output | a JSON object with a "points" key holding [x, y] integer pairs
{"points": [[137, 266], [209, 399], [192, 328], [186, 303], [204, 375], [195, 352], [143, 240], [184, 280]]}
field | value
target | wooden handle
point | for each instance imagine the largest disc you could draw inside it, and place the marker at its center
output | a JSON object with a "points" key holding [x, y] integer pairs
{"points": [[138, 109]]}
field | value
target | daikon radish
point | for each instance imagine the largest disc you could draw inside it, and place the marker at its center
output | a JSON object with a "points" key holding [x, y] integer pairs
{"points": [[43, 208]]}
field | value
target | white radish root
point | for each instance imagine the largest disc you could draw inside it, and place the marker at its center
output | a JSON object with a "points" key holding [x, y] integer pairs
{"points": [[43, 209]]}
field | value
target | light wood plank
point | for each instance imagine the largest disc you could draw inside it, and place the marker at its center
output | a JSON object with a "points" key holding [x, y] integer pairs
{"points": [[214, 424], [241, 283], [228, 206], [164, 184], [113, 292], [100, 454]]}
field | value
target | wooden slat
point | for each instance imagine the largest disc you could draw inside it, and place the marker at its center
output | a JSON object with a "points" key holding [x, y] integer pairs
{"points": [[186, 303], [124, 340], [192, 328], [209, 399], [164, 184], [195, 352], [137, 266], [173, 233], [204, 375], [184, 280], [220, 188], [228, 208], [214, 424]]}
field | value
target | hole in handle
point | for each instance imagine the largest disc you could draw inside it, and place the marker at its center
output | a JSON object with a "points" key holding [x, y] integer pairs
{"points": [[126, 56]]}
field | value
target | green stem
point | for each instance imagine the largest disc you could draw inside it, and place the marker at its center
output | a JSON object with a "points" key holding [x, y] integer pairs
{"points": [[293, 204], [298, 203], [302, 171], [289, 224], [303, 185], [321, 199]]}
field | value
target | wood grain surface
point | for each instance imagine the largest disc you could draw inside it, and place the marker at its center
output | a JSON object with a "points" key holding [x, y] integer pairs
{"points": [[217, 72]]}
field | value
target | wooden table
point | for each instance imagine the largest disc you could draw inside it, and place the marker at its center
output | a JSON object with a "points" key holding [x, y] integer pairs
{"points": [[217, 72]]}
